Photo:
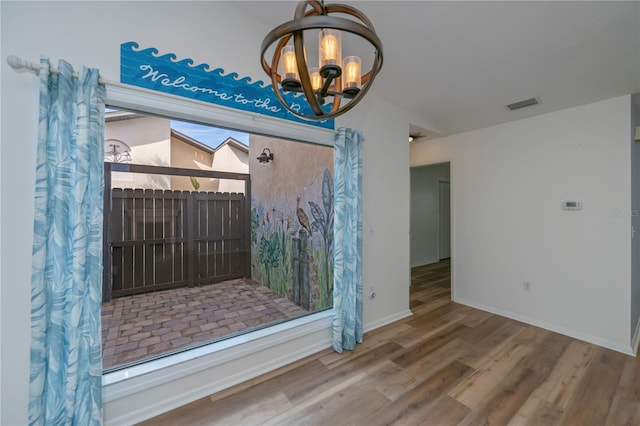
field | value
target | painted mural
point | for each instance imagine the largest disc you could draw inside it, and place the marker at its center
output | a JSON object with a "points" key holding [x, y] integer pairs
{"points": [[292, 221]]}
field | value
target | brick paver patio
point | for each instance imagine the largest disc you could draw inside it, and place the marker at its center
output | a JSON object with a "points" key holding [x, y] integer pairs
{"points": [[144, 325]]}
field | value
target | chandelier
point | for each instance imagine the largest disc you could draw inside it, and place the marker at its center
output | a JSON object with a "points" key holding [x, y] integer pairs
{"points": [[337, 83]]}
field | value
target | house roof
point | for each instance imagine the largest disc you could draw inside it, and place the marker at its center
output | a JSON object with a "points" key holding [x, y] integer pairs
{"points": [[120, 115], [191, 141], [234, 143]]}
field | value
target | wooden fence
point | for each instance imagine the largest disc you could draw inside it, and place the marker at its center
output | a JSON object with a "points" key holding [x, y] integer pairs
{"points": [[162, 239]]}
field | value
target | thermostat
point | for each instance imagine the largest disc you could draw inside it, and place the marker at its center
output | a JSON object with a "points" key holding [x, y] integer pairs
{"points": [[572, 205]]}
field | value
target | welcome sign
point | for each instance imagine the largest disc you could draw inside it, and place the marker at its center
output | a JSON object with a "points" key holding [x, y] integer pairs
{"points": [[145, 68]]}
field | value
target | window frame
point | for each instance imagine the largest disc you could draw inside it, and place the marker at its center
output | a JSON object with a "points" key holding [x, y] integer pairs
{"points": [[138, 378], [159, 103]]}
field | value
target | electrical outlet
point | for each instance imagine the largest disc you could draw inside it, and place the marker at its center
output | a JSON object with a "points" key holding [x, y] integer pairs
{"points": [[526, 286]]}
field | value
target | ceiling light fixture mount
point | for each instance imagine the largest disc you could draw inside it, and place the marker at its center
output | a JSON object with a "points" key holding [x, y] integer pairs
{"points": [[335, 77]]}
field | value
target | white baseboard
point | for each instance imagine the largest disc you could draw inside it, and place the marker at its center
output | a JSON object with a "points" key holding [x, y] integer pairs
{"points": [[628, 350], [424, 263], [387, 320]]}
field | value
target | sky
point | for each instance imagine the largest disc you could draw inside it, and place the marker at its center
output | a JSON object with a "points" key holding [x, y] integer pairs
{"points": [[208, 135]]}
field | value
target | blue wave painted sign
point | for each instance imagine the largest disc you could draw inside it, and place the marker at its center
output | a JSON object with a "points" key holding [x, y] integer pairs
{"points": [[145, 68]]}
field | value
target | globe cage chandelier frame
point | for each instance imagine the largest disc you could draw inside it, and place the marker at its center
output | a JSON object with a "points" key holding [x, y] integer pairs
{"points": [[318, 18]]}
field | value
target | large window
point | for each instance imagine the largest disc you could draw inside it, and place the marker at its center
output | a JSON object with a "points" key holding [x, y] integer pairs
{"points": [[204, 241]]}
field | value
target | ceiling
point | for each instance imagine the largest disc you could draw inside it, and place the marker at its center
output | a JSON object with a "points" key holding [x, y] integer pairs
{"points": [[454, 65]]}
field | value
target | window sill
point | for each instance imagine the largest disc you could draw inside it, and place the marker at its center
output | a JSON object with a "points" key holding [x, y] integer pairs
{"points": [[137, 378]]}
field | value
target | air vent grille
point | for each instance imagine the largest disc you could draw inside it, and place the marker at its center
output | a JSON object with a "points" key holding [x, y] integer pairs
{"points": [[523, 104]]}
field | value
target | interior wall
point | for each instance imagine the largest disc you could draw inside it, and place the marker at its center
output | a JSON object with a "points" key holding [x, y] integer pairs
{"points": [[425, 212], [509, 227], [213, 33], [635, 222], [385, 205]]}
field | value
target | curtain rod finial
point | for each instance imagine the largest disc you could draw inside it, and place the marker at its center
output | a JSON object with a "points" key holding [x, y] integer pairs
{"points": [[15, 62], [18, 64]]}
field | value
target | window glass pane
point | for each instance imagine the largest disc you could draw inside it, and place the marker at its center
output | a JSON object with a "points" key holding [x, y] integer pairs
{"points": [[217, 243]]}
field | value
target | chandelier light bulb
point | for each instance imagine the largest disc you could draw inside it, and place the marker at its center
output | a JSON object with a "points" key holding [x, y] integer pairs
{"points": [[289, 69], [316, 79], [329, 47], [352, 75], [330, 53], [289, 60]]}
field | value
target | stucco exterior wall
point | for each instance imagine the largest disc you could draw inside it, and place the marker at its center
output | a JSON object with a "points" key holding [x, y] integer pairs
{"points": [[231, 159], [188, 156], [297, 171]]}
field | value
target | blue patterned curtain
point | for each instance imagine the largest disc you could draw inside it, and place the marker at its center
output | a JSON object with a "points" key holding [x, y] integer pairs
{"points": [[347, 279], [66, 356]]}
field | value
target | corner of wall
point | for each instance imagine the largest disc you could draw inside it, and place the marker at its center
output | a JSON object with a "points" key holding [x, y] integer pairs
{"points": [[635, 221], [635, 341]]}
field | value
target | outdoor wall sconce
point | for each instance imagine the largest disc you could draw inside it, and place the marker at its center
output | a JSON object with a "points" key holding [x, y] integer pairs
{"points": [[264, 157]]}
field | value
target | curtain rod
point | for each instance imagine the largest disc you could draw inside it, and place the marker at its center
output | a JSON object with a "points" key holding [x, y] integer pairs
{"points": [[20, 65]]}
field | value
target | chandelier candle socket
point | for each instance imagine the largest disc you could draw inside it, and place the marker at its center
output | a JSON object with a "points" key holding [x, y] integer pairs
{"points": [[334, 85]]}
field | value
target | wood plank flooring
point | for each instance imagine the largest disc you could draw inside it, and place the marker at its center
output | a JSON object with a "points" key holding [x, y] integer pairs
{"points": [[448, 364]]}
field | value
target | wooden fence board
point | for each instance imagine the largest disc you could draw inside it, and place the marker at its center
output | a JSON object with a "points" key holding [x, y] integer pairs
{"points": [[116, 233], [138, 234], [127, 234], [178, 246], [208, 207], [215, 231], [201, 231], [148, 235], [235, 228]]}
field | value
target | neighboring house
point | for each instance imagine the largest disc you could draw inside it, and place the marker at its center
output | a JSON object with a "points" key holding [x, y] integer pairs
{"points": [[153, 142], [148, 138], [188, 153], [231, 156]]}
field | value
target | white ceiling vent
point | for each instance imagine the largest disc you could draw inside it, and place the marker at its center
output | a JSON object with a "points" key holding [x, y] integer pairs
{"points": [[523, 104]]}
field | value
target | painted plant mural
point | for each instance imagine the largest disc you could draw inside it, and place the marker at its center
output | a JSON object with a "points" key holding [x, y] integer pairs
{"points": [[292, 222]]}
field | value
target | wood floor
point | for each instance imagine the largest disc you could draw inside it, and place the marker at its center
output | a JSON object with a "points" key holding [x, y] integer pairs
{"points": [[448, 364]]}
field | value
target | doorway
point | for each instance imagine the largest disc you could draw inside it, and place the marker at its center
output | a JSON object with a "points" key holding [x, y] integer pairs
{"points": [[430, 227], [430, 211]]}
